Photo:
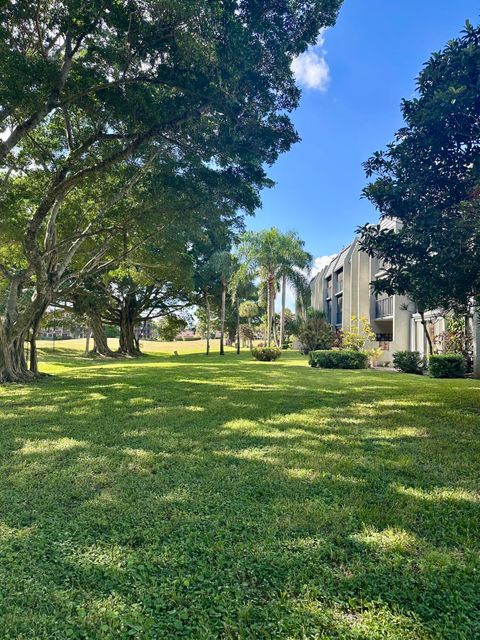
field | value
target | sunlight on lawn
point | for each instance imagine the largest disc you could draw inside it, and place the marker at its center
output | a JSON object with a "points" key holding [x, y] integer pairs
{"points": [[205, 498]]}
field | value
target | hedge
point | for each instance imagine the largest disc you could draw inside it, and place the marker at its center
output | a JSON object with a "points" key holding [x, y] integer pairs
{"points": [[408, 362], [448, 365], [266, 354], [338, 359]]}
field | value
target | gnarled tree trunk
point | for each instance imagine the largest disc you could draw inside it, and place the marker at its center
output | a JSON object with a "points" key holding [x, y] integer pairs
{"points": [[129, 343], [99, 336], [15, 330]]}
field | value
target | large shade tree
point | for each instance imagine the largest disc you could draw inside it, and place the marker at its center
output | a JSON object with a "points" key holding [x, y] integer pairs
{"points": [[428, 179], [85, 86]]}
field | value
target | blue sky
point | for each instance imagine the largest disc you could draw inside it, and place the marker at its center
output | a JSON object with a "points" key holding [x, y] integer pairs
{"points": [[363, 68]]}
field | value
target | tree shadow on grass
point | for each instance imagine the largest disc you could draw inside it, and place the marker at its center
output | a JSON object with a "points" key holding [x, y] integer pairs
{"points": [[230, 499]]}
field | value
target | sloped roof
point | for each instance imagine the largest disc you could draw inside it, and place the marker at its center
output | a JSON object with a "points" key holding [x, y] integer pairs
{"points": [[338, 262]]}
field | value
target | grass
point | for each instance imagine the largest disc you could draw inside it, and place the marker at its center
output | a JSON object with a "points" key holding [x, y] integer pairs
{"points": [[208, 498]]}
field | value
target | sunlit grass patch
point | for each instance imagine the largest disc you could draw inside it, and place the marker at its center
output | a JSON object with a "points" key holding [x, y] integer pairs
{"points": [[223, 498]]}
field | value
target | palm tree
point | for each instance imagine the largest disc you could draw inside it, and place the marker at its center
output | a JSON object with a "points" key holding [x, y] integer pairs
{"points": [[294, 270], [273, 256], [241, 287], [221, 263], [248, 309], [260, 255]]}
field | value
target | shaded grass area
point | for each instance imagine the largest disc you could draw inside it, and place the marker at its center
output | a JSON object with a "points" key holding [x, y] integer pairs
{"points": [[207, 498]]}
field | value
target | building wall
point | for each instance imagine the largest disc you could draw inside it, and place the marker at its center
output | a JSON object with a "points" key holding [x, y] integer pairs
{"points": [[359, 270]]}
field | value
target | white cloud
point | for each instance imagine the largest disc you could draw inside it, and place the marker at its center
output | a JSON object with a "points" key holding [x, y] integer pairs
{"points": [[311, 68], [321, 262], [318, 264]]}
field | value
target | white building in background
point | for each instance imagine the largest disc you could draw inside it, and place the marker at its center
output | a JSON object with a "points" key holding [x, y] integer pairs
{"points": [[342, 290]]}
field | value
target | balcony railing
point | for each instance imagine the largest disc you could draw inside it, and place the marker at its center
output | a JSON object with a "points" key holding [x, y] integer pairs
{"points": [[384, 308]]}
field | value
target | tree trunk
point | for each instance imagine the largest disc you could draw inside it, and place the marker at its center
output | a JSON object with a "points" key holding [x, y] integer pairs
{"points": [[87, 340], [13, 364], [476, 342], [282, 313], [272, 313], [129, 344], [237, 305], [269, 312], [207, 308], [426, 332], [469, 350], [33, 353], [99, 336], [222, 319]]}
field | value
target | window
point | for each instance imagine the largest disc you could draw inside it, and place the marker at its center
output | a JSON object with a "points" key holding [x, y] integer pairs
{"points": [[339, 309], [329, 310], [329, 287], [339, 282], [384, 337]]}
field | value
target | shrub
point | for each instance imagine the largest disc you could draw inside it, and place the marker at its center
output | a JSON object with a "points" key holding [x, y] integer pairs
{"points": [[333, 359], [375, 354], [408, 362], [315, 332], [266, 354], [360, 333], [447, 365]]}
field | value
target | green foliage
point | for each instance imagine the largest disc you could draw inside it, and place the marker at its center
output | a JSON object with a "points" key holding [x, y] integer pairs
{"points": [[428, 179], [314, 332], [112, 331], [266, 354], [447, 365], [338, 359], [247, 332], [276, 258], [374, 355], [408, 362], [98, 96], [169, 327], [248, 309], [360, 333]]}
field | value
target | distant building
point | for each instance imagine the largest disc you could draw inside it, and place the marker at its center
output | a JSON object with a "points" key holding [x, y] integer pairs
{"points": [[61, 333], [342, 290], [185, 334], [144, 330]]}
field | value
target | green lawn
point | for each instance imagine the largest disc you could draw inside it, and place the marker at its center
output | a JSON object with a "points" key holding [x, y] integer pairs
{"points": [[207, 498]]}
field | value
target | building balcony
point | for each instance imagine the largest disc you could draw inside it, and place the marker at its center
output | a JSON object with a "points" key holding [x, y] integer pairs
{"points": [[384, 308]]}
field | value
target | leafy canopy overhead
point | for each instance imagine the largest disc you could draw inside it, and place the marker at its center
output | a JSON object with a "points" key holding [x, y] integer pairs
{"points": [[428, 179]]}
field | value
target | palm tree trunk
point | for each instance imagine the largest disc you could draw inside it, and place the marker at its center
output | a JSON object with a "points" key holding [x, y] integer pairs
{"points": [[282, 313], [269, 313], [272, 312], [238, 325], [222, 320], [207, 307]]}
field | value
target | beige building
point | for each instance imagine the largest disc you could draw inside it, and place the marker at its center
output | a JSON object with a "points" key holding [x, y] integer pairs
{"points": [[342, 290]]}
